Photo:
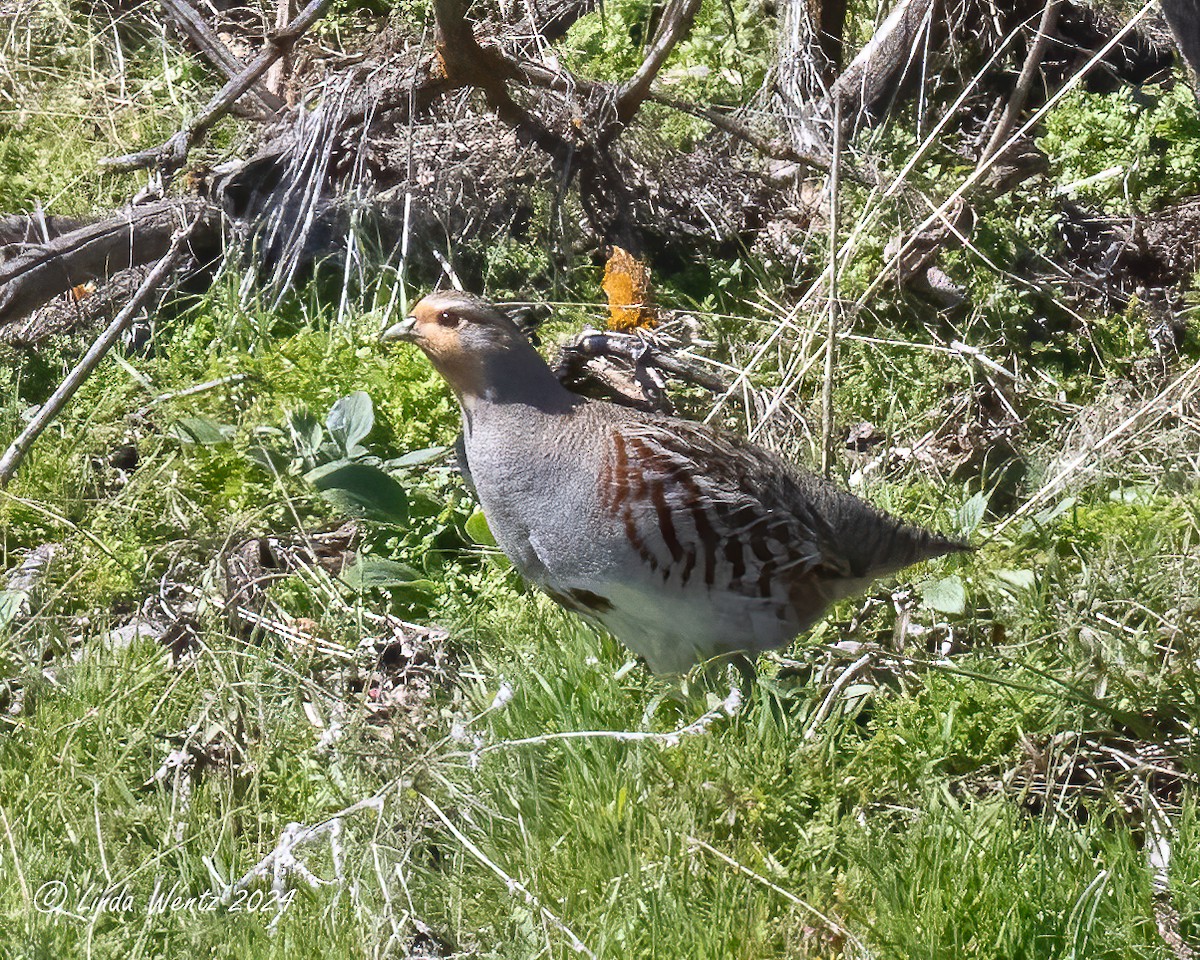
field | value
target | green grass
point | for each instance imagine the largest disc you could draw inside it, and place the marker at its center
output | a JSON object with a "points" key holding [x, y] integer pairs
{"points": [[862, 822], [74, 89]]}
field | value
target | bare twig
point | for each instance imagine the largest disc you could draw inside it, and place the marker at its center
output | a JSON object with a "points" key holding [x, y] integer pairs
{"points": [[278, 74], [298, 834], [137, 235], [1159, 830], [512, 883], [832, 925], [1020, 94], [172, 154], [676, 24], [871, 77], [1145, 416], [50, 409], [775, 149], [845, 678], [206, 39], [190, 391], [831, 327], [729, 707]]}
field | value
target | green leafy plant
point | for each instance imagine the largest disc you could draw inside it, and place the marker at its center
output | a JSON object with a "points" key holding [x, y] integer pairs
{"points": [[1126, 151], [332, 458]]}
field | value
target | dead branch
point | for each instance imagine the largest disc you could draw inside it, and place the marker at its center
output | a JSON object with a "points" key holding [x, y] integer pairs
{"points": [[137, 235], [21, 231], [49, 410], [637, 192], [468, 64], [775, 149], [88, 306], [1020, 95], [676, 24], [831, 34], [630, 369], [577, 122], [552, 20], [832, 321], [873, 77], [1008, 161], [916, 261], [173, 154], [603, 190], [882, 72], [1138, 56], [140, 234], [281, 69], [266, 103]]}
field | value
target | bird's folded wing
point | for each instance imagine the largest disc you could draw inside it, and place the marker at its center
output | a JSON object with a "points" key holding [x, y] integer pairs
{"points": [[701, 508]]}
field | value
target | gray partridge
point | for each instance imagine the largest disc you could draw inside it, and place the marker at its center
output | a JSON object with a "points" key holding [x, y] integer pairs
{"points": [[683, 542]]}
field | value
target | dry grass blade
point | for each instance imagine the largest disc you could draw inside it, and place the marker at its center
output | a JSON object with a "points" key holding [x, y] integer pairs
{"points": [[172, 154], [833, 926], [1149, 414], [512, 883], [831, 327]]}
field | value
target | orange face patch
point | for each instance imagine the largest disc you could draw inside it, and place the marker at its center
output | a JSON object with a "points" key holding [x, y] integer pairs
{"points": [[443, 345]]}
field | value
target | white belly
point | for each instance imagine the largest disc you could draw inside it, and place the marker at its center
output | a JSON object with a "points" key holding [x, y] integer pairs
{"points": [[675, 629]]}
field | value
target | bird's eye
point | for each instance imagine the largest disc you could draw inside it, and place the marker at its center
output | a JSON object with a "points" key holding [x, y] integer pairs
{"points": [[447, 319]]}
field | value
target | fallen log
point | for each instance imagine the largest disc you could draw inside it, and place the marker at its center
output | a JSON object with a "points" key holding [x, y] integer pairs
{"points": [[134, 236]]}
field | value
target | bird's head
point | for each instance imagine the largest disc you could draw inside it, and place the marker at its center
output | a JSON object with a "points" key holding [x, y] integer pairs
{"points": [[479, 350]]}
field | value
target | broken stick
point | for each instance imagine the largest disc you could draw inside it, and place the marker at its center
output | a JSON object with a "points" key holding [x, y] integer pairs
{"points": [[50, 409], [171, 155]]}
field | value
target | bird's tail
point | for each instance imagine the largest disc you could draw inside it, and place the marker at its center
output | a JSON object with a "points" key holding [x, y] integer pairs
{"points": [[892, 545]]}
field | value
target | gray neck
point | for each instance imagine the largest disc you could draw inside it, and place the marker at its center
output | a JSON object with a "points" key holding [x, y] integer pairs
{"points": [[515, 378]]}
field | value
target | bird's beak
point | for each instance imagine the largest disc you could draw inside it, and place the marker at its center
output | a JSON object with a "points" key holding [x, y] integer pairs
{"points": [[405, 330]]}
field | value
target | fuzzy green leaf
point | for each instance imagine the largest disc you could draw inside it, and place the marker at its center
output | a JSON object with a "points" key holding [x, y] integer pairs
{"points": [[478, 530], [945, 596], [306, 431], [1019, 579], [417, 457], [381, 572], [970, 514], [11, 604], [201, 430], [361, 489], [350, 420]]}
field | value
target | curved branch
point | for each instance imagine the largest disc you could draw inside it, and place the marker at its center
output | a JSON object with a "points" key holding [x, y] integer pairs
{"points": [[49, 410], [1033, 60], [775, 149], [468, 64], [172, 154], [21, 230], [190, 21], [676, 24], [872, 76]]}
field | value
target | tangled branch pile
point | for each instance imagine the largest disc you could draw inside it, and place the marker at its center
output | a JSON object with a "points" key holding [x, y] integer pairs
{"points": [[441, 148]]}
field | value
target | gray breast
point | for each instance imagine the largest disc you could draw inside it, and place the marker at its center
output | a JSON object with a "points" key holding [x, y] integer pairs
{"points": [[537, 487]]}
